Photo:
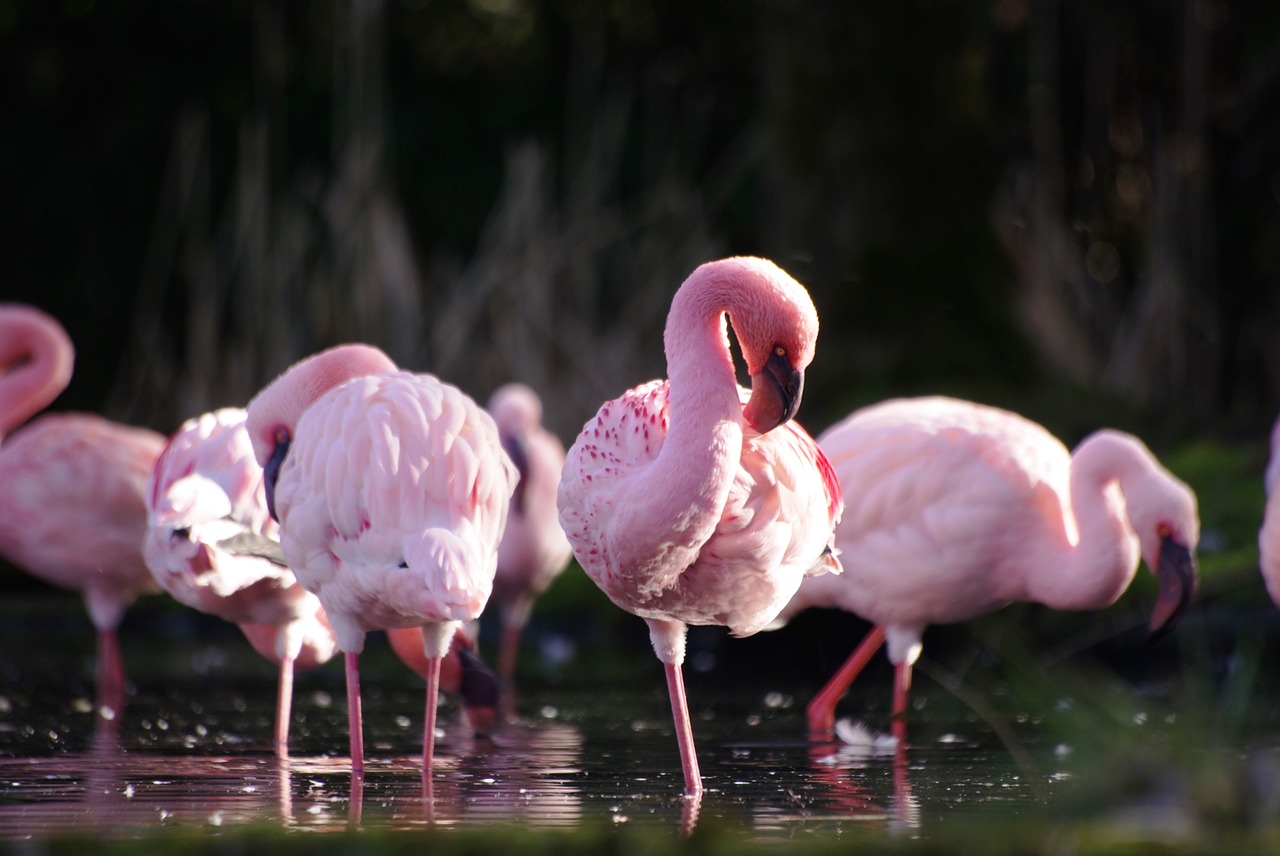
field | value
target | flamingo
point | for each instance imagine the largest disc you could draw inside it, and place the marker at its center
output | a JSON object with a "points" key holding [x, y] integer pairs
{"points": [[213, 546], [964, 508], [72, 488], [462, 673], [534, 549], [1269, 534], [692, 501], [391, 490]]}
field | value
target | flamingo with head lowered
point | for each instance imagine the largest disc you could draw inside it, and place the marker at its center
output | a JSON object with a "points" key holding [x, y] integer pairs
{"points": [[964, 508], [213, 546], [692, 501], [391, 490], [72, 487]]}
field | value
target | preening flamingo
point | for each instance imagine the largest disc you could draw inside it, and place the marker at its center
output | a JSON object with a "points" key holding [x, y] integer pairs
{"points": [[687, 507], [1269, 534], [212, 545], [964, 508], [462, 673], [72, 487], [391, 489], [534, 549]]}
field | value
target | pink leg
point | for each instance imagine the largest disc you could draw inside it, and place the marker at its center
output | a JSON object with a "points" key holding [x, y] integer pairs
{"points": [[822, 709], [507, 654], [110, 673], [429, 720], [684, 731], [901, 689], [354, 719], [284, 707]]}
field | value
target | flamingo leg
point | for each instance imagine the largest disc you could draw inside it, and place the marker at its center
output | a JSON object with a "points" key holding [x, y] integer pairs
{"points": [[901, 689], [684, 730], [110, 673], [284, 706], [429, 720], [507, 653], [822, 709], [354, 718]]}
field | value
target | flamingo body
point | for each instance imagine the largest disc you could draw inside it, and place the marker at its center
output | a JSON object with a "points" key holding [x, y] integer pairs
{"points": [[391, 490], [213, 546], [72, 486], [1269, 534], [964, 508], [689, 501]]}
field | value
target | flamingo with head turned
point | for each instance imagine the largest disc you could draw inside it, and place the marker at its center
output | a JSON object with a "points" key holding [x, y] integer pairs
{"points": [[964, 508], [534, 549], [213, 546], [391, 490], [689, 501], [72, 487]]}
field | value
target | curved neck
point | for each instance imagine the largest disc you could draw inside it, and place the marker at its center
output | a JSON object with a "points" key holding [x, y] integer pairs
{"points": [[1104, 559], [36, 358], [681, 495]]}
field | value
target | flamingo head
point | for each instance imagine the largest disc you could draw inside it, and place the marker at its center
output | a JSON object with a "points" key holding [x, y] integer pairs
{"points": [[1164, 515], [776, 325], [274, 412]]}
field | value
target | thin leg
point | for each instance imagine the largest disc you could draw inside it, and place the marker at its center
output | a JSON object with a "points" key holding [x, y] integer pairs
{"points": [[110, 674], [284, 707], [354, 718], [684, 731], [901, 689], [429, 720], [822, 709], [507, 653]]}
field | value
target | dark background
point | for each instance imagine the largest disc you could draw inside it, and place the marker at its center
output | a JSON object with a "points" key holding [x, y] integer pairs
{"points": [[1071, 209]]}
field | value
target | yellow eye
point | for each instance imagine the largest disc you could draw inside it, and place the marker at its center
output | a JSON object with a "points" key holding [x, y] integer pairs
{"points": [[780, 351], [1164, 530]]}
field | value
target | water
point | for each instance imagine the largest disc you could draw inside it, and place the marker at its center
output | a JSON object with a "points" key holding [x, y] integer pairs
{"points": [[191, 749]]}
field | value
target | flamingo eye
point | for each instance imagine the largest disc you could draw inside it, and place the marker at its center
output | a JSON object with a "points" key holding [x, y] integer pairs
{"points": [[1164, 530], [281, 435], [779, 350]]}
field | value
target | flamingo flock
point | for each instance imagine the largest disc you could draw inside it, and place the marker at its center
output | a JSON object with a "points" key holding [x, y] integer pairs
{"points": [[351, 496]]}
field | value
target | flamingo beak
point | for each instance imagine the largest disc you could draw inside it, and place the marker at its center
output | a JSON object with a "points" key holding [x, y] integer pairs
{"points": [[479, 693], [1176, 575], [271, 471], [515, 449], [775, 393]]}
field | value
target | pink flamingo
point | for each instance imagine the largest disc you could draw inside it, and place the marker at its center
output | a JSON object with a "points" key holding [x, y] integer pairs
{"points": [[213, 546], [964, 508], [534, 549], [687, 507], [1269, 534], [391, 489], [72, 487], [462, 673]]}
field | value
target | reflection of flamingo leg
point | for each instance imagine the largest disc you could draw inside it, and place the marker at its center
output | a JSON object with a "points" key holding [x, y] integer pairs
{"points": [[822, 709], [901, 688], [354, 718], [684, 730], [284, 704], [110, 673]]}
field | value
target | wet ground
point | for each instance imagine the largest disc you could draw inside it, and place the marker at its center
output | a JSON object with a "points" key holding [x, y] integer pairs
{"points": [[191, 750]]}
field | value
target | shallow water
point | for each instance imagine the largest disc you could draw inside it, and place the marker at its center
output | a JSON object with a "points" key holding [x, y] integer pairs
{"points": [[191, 749]]}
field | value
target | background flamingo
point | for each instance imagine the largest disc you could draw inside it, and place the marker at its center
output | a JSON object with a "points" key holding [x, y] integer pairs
{"points": [[534, 549], [212, 545], [391, 489], [1269, 534], [962, 509], [72, 487], [687, 507]]}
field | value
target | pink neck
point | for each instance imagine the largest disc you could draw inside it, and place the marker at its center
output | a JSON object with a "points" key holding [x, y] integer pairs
{"points": [[36, 358]]}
